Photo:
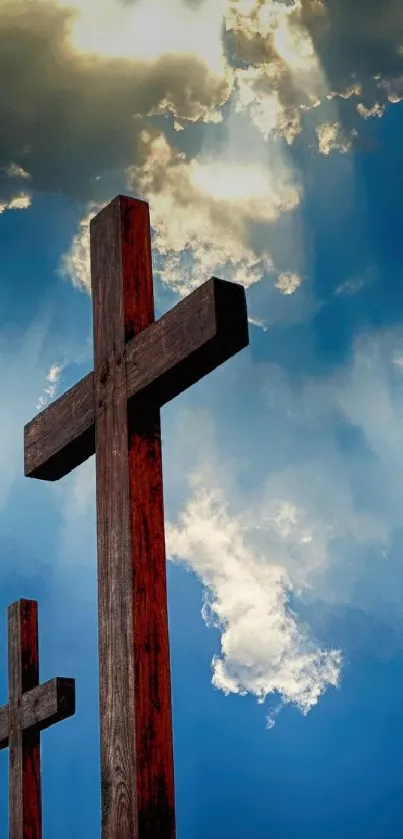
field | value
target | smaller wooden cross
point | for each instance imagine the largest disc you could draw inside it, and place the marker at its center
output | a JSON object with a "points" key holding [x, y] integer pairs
{"points": [[31, 708]]}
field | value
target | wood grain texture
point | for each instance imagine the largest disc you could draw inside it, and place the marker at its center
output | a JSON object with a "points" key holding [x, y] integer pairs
{"points": [[135, 702], [30, 709], [152, 682], [42, 707], [115, 606], [188, 342], [139, 365], [25, 818]]}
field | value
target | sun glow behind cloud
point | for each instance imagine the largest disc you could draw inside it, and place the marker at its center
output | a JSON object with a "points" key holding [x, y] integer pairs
{"points": [[249, 185], [146, 30], [280, 74]]}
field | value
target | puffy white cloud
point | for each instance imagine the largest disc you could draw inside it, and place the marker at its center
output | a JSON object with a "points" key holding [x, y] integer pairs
{"points": [[264, 650], [280, 73], [292, 57], [18, 202], [318, 526], [375, 110], [75, 264], [288, 282], [331, 138], [202, 211]]}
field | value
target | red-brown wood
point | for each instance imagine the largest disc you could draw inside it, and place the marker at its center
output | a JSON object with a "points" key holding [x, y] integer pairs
{"points": [[154, 746], [31, 708], [135, 702], [138, 366], [25, 818], [189, 341]]}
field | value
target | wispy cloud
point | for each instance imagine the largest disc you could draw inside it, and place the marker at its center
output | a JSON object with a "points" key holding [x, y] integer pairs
{"points": [[51, 386]]}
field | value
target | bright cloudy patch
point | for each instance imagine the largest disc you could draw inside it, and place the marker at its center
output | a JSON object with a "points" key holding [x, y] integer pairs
{"points": [[320, 526], [288, 283], [202, 211], [376, 110], [394, 89], [51, 386], [19, 202], [256, 96], [128, 30], [201, 214], [75, 264], [282, 74], [263, 648], [292, 57], [330, 138]]}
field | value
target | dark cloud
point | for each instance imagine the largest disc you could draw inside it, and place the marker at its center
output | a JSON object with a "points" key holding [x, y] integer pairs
{"points": [[66, 117], [361, 38]]}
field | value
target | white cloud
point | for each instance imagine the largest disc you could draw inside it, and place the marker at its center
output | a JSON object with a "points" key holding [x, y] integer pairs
{"points": [[128, 30], [75, 263], [263, 648], [308, 530], [288, 282], [18, 202], [51, 386], [375, 110], [201, 214], [202, 209], [331, 138], [283, 74]]}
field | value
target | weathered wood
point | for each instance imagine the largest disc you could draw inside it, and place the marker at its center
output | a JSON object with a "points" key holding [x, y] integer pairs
{"points": [[42, 707], [138, 366], [152, 682], [115, 605], [24, 756], [136, 725], [188, 342], [31, 708]]}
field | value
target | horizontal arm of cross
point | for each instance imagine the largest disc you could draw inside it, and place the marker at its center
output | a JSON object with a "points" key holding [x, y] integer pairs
{"points": [[42, 706], [188, 342]]}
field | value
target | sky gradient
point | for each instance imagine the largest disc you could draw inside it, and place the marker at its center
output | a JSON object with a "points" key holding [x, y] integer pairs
{"points": [[266, 137]]}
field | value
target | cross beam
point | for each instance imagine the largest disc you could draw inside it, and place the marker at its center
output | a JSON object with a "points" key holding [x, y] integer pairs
{"points": [[188, 342], [139, 365], [31, 708]]}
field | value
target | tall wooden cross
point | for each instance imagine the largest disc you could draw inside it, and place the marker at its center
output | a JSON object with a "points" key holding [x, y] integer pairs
{"points": [[31, 708], [139, 365]]}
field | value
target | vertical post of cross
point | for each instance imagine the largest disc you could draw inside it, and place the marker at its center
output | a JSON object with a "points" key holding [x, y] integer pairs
{"points": [[31, 708], [135, 688], [23, 747]]}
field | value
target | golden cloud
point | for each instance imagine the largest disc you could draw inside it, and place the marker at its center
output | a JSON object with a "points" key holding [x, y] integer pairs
{"points": [[69, 116]]}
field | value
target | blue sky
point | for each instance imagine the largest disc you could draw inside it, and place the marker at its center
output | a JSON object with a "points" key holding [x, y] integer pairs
{"points": [[267, 139]]}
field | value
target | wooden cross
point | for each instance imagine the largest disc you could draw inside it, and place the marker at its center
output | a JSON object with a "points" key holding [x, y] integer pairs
{"points": [[139, 365], [31, 708]]}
